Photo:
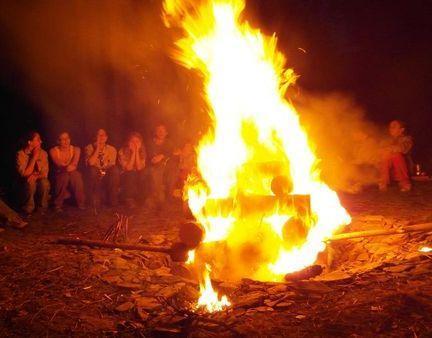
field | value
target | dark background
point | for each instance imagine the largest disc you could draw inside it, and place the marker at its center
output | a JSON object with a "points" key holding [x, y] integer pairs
{"points": [[80, 65]]}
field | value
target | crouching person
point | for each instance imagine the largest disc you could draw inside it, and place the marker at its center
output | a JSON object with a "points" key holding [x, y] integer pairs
{"points": [[65, 158], [132, 159], [394, 157], [32, 166], [103, 172]]}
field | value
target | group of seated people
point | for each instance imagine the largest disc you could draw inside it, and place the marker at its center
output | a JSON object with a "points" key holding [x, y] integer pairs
{"points": [[134, 171], [150, 175]]}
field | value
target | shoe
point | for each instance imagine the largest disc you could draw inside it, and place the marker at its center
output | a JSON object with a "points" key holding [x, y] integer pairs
{"points": [[405, 188], [382, 187], [82, 207]]}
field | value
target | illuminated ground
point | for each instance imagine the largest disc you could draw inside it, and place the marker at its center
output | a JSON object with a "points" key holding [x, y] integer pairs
{"points": [[378, 287]]}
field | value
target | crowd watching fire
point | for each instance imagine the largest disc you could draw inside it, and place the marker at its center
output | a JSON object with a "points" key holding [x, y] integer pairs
{"points": [[256, 195]]}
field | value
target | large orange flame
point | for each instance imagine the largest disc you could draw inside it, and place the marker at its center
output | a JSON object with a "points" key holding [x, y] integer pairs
{"points": [[256, 136]]}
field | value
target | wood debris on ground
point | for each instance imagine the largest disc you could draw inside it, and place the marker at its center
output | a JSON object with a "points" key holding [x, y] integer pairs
{"points": [[372, 286]]}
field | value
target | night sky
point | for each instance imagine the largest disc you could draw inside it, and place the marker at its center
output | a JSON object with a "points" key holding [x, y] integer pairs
{"points": [[80, 65]]}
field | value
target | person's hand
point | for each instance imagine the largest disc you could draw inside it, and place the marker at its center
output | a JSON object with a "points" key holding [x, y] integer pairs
{"points": [[70, 168], [98, 145], [36, 152], [158, 158]]}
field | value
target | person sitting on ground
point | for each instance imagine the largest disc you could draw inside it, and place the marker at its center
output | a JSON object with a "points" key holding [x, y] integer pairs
{"points": [[65, 158], [159, 154], [101, 160], [394, 153], [132, 159], [11, 217], [32, 166]]}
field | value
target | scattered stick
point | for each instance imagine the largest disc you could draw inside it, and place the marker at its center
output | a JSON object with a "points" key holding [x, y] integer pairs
{"points": [[381, 232], [118, 228], [178, 252]]}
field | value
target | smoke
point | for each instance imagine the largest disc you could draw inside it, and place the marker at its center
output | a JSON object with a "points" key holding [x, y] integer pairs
{"points": [[345, 141], [91, 64]]}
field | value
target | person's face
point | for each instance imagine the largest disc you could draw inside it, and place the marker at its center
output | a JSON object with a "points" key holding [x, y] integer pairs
{"points": [[395, 129], [161, 132], [64, 140], [36, 142], [101, 136], [135, 142]]}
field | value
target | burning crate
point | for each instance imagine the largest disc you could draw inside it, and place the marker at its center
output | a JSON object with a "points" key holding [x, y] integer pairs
{"points": [[256, 216]]}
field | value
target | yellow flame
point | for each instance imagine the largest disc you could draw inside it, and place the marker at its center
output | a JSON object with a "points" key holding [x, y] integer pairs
{"points": [[256, 135], [425, 249], [190, 257], [209, 299]]}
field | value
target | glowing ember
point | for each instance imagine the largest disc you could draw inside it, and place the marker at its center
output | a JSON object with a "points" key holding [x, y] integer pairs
{"points": [[425, 249], [209, 299], [256, 137]]}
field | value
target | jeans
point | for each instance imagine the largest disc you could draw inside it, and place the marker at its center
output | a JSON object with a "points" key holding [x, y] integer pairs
{"points": [[39, 188], [397, 163], [162, 182], [68, 180], [110, 182], [134, 184]]}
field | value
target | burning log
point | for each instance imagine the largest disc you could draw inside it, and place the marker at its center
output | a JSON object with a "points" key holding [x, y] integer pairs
{"points": [[381, 232], [295, 231], [307, 273], [191, 234], [249, 205], [281, 185]]}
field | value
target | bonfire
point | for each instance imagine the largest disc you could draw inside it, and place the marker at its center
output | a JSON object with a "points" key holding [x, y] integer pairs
{"points": [[258, 194]]}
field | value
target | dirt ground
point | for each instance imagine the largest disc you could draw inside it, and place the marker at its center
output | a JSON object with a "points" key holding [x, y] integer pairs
{"points": [[373, 287]]}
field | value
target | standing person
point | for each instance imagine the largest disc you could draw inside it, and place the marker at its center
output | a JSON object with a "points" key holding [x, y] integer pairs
{"points": [[101, 160], [65, 158], [159, 154], [394, 157], [32, 166], [132, 159]]}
